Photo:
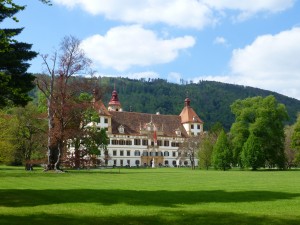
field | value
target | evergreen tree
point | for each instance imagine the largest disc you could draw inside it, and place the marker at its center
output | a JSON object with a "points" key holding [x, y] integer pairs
{"points": [[252, 155], [15, 81], [221, 152]]}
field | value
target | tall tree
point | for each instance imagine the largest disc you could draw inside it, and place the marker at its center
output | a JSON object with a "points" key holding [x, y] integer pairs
{"points": [[296, 138], [222, 155], [7, 138], [262, 118], [205, 150], [15, 81], [252, 155], [290, 152], [30, 135], [188, 149], [61, 90]]}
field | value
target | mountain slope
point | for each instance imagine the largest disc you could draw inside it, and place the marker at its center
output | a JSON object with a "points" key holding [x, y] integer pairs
{"points": [[211, 100]]}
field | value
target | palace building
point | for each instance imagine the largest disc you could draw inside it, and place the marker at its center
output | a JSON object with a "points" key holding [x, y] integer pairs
{"points": [[142, 139]]}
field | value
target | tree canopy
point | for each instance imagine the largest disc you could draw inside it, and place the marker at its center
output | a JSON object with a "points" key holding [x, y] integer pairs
{"points": [[258, 132]]}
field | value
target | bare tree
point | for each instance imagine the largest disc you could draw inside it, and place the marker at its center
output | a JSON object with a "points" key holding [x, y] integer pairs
{"points": [[59, 87], [188, 149]]}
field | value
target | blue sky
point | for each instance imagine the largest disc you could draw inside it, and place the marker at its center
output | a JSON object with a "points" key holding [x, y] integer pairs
{"points": [[248, 42]]}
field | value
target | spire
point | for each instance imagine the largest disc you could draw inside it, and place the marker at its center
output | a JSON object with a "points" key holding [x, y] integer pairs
{"points": [[114, 103], [187, 102]]}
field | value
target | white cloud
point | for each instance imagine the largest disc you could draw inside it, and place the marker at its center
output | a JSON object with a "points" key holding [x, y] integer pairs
{"points": [[174, 77], [180, 13], [220, 41], [270, 62], [126, 46], [246, 9]]}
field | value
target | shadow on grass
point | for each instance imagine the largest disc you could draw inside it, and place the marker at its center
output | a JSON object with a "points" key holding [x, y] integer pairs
{"points": [[25, 198], [166, 218]]}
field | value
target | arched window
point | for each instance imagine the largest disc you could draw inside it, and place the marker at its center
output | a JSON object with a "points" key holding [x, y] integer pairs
{"points": [[137, 162], [174, 163], [166, 162]]}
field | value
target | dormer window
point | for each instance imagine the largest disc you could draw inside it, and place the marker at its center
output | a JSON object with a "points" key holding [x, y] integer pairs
{"points": [[178, 132], [121, 129]]}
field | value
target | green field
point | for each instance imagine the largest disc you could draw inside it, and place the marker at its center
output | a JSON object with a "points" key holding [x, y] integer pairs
{"points": [[149, 196]]}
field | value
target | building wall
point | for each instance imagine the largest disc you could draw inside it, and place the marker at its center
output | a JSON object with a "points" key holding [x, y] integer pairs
{"points": [[126, 152]]}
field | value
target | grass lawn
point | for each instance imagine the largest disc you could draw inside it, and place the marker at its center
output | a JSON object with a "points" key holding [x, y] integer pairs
{"points": [[149, 196]]}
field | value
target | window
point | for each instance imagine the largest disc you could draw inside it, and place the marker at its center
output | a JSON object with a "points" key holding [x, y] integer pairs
{"points": [[166, 143], [114, 142], [174, 154], [128, 162], [159, 142], [114, 152], [192, 126], [160, 154], [121, 162], [166, 153], [145, 153], [174, 162], [115, 162], [121, 153], [166, 162], [137, 162], [105, 120], [145, 142], [137, 141], [128, 153], [137, 153], [175, 144], [121, 142], [198, 127], [128, 142]]}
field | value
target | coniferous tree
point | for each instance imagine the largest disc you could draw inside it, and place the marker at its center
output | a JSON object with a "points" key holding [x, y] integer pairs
{"points": [[221, 152], [15, 81]]}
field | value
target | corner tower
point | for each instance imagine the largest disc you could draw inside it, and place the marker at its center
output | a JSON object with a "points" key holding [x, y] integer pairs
{"points": [[114, 103], [190, 120]]}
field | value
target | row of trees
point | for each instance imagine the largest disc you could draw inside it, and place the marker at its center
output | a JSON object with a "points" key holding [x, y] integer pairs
{"points": [[256, 139]]}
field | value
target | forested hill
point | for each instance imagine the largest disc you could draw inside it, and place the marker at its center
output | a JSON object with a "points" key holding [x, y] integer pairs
{"points": [[211, 100]]}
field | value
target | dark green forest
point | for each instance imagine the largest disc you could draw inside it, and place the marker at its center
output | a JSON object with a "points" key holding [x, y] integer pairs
{"points": [[211, 100]]}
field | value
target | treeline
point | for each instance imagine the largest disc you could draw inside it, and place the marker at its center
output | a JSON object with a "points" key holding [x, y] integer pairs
{"points": [[211, 100]]}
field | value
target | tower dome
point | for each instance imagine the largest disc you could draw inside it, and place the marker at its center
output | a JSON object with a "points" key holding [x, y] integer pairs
{"points": [[114, 103]]}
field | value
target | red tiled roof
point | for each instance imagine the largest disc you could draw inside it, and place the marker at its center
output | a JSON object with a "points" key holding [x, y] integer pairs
{"points": [[134, 121], [188, 115], [101, 109]]}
